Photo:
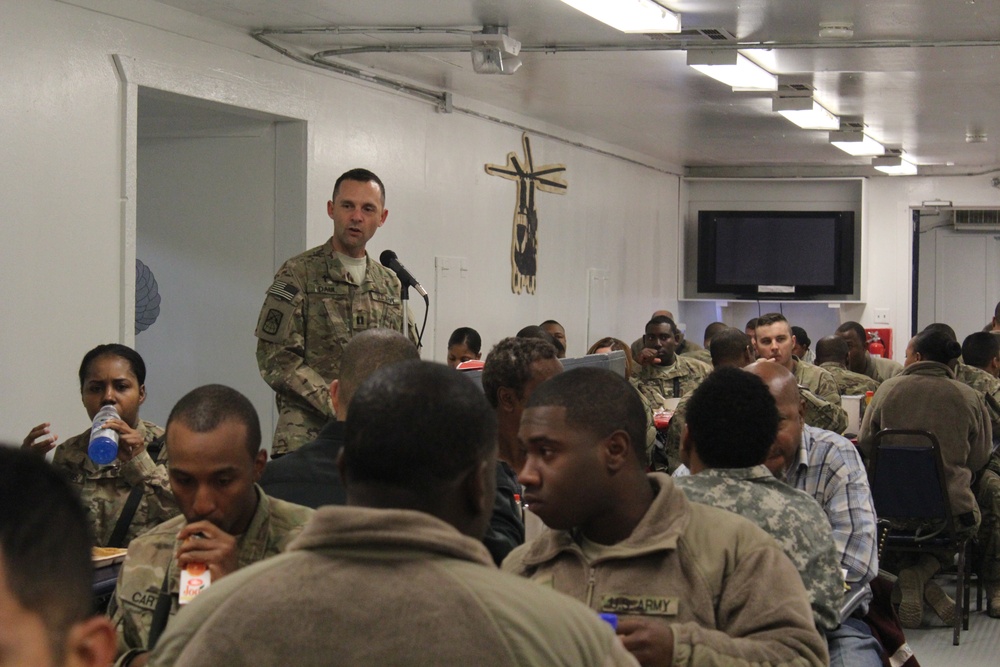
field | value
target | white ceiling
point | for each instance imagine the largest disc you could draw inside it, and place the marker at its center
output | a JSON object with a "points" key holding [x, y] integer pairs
{"points": [[922, 97]]}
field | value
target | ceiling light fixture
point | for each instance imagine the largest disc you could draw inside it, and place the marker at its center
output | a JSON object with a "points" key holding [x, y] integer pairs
{"points": [[630, 15], [805, 112], [733, 69], [856, 142], [495, 52], [894, 165]]}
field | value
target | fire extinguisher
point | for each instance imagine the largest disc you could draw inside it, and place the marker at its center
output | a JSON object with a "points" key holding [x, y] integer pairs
{"points": [[875, 346]]}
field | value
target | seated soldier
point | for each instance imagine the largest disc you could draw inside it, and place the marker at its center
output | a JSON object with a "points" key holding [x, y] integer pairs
{"points": [[46, 573], [732, 422], [131, 494], [729, 348], [832, 356], [226, 522], [663, 374], [775, 341], [399, 576], [704, 354], [730, 428], [308, 476], [927, 396], [862, 361], [691, 584]]}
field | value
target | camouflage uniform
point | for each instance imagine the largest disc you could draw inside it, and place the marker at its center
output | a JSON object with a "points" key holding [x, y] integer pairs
{"points": [[987, 485], [672, 439], [310, 312], [881, 369], [793, 518], [275, 523], [701, 354], [849, 383], [104, 489], [658, 382], [822, 398]]}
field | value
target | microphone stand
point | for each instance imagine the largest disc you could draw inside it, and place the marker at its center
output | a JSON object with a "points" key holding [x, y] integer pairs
{"points": [[404, 297]]}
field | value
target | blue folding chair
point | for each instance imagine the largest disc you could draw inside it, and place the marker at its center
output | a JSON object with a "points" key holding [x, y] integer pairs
{"points": [[906, 475]]}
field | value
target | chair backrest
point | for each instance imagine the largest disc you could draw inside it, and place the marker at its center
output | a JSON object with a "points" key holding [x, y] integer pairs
{"points": [[906, 476]]}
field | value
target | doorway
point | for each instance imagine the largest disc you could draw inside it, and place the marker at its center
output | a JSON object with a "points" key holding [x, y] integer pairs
{"points": [[219, 206]]}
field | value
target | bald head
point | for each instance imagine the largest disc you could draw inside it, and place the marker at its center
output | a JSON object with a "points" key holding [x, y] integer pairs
{"points": [[831, 348], [364, 354], [779, 380]]}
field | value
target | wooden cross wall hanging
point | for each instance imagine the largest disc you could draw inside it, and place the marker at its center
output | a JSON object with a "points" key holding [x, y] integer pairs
{"points": [[524, 245]]}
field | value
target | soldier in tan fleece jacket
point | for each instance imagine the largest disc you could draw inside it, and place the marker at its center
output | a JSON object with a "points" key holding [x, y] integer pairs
{"points": [[691, 584], [399, 576]]}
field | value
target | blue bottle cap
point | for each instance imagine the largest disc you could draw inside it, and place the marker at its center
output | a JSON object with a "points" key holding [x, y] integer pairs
{"points": [[102, 450], [610, 619]]}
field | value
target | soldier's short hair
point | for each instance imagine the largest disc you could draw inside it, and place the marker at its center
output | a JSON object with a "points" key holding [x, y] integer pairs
{"points": [[362, 176], [712, 329], [751, 324], [732, 419], [368, 351], [133, 358], [599, 401], [857, 329], [936, 345], [980, 348], [831, 348], [662, 319], [204, 408], [729, 346], [415, 425], [44, 544], [509, 365], [768, 319], [536, 331]]}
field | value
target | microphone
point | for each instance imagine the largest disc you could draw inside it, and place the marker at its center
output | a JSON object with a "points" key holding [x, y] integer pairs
{"points": [[390, 261]]}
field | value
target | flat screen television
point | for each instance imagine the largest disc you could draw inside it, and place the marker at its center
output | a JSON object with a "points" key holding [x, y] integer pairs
{"points": [[785, 255]]}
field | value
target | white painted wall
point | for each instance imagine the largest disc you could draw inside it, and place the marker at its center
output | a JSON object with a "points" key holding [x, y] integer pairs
{"points": [[63, 240]]}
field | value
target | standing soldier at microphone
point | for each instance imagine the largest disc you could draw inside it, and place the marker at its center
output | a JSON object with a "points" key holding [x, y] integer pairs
{"points": [[318, 301]]}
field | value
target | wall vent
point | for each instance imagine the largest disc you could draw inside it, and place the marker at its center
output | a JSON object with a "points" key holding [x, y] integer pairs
{"points": [[694, 35], [977, 219]]}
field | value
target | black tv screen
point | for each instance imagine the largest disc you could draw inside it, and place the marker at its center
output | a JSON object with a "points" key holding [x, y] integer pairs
{"points": [[776, 254]]}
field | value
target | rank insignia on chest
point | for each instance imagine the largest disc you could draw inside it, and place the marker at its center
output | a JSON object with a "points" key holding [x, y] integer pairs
{"points": [[646, 605], [272, 321]]}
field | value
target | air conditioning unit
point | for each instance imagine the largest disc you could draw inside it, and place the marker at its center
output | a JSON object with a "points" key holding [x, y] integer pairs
{"points": [[967, 219]]}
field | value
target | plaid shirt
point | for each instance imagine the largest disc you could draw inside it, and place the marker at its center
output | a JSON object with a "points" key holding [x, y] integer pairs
{"points": [[829, 468]]}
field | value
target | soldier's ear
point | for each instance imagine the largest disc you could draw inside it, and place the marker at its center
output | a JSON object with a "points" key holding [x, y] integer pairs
{"points": [[142, 394], [335, 397], [91, 643]]}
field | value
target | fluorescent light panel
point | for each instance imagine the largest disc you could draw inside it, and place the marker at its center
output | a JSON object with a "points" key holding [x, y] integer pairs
{"points": [[630, 15], [894, 165], [733, 69], [805, 112], [856, 143]]}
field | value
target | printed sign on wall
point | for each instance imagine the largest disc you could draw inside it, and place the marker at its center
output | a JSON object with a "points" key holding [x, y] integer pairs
{"points": [[524, 245]]}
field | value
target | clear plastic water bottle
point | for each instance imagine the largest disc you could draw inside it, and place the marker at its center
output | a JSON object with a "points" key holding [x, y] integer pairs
{"points": [[103, 447]]}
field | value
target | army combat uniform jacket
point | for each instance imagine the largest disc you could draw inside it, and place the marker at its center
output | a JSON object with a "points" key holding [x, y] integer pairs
{"points": [[849, 383], [682, 377], [822, 398], [104, 490], [729, 594], [151, 556], [794, 519], [310, 312]]}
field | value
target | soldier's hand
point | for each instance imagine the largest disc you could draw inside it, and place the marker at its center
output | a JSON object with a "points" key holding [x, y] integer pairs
{"points": [[215, 548], [130, 441], [647, 357], [43, 446], [650, 641]]}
